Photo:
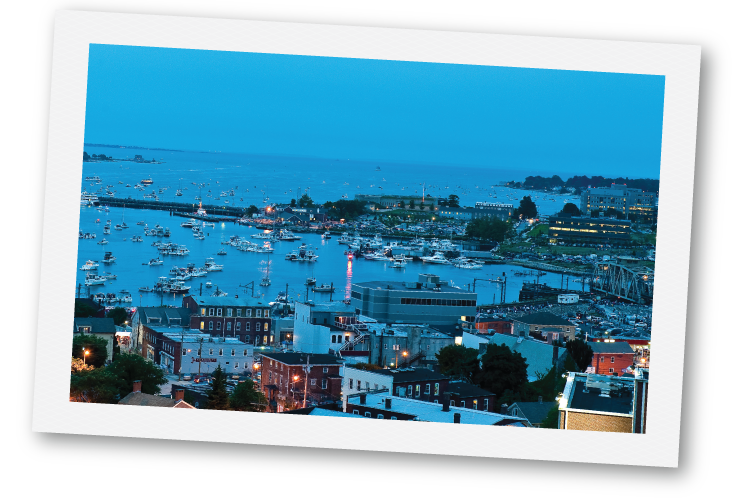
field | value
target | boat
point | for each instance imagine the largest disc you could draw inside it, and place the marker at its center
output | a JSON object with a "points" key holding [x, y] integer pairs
{"points": [[141, 223], [89, 265], [438, 258], [302, 254], [103, 242], [147, 182], [310, 281], [285, 235], [327, 235], [155, 262], [211, 266], [377, 256], [89, 199], [93, 280], [107, 230], [221, 252], [145, 289], [137, 238], [190, 223], [109, 258], [118, 227], [324, 288], [209, 284], [398, 262], [93, 178], [125, 297]]}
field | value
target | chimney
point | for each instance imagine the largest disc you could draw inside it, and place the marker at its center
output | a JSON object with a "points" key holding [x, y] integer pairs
{"points": [[387, 403], [137, 386], [504, 409], [456, 418], [363, 399], [178, 393], [446, 401]]}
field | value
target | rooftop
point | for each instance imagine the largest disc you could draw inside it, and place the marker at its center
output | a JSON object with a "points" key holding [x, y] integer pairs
{"points": [[544, 318], [539, 355], [301, 358], [407, 374], [229, 301], [610, 347], [433, 412], [405, 286], [97, 325], [466, 390], [142, 399], [598, 393], [536, 412]]}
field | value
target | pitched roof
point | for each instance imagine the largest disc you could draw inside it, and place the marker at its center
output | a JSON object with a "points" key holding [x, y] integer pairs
{"points": [[544, 318], [411, 374], [97, 325], [466, 390], [142, 399], [536, 412], [300, 358], [610, 347], [538, 354], [164, 315], [229, 301]]}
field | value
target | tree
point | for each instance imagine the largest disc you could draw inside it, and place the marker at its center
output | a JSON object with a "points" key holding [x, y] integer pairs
{"points": [[489, 228], [571, 209], [246, 397], [96, 347], [595, 213], [218, 398], [421, 205], [293, 203], [119, 315], [458, 361], [453, 201], [552, 419], [305, 201], [77, 365], [252, 209], [411, 204], [503, 373], [131, 367], [86, 156], [581, 353], [613, 212], [83, 310], [94, 386], [526, 209]]}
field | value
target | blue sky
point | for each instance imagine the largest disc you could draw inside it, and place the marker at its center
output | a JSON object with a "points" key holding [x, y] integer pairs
{"points": [[543, 121]]}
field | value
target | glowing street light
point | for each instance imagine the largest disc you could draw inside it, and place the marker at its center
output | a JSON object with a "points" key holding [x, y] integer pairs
{"points": [[85, 352]]}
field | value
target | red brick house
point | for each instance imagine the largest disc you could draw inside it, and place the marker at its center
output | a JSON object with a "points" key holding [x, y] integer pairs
{"points": [[611, 358], [248, 319], [283, 379]]}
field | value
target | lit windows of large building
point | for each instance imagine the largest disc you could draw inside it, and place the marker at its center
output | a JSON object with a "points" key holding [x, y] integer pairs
{"points": [[588, 229], [619, 197]]}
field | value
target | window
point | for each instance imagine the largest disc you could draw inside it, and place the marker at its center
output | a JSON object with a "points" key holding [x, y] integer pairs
{"points": [[474, 404], [244, 353], [265, 339], [218, 311], [427, 389], [351, 384], [463, 404], [271, 338], [266, 313], [257, 327], [210, 311], [453, 403], [396, 347], [409, 391], [611, 370], [210, 352], [229, 312], [359, 385], [257, 313], [248, 313], [236, 364], [221, 352], [229, 325], [333, 339], [416, 391], [184, 352], [613, 359], [367, 386], [486, 404], [339, 339], [203, 311], [203, 325], [324, 383], [601, 359], [437, 388], [210, 325], [436, 401], [355, 412], [368, 414], [246, 365], [247, 337], [380, 416], [265, 327], [325, 369], [237, 326], [232, 352], [313, 382], [218, 325]]}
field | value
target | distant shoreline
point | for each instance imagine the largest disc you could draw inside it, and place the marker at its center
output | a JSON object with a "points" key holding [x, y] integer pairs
{"points": [[130, 147]]}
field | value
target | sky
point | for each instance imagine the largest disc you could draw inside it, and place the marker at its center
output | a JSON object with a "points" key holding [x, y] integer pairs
{"points": [[540, 120]]}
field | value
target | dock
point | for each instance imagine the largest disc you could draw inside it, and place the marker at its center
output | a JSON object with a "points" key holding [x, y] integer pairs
{"points": [[229, 213]]}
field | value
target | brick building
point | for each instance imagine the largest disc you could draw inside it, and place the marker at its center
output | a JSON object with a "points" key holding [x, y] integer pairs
{"points": [[285, 375], [611, 358], [248, 319], [410, 383], [608, 404], [175, 317], [466, 395]]}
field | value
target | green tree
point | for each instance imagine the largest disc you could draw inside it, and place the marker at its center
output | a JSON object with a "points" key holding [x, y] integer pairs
{"points": [[246, 397], [489, 228], [94, 386], [552, 419], [421, 205], [411, 204], [96, 347], [119, 315], [293, 203], [571, 209], [305, 201], [218, 398], [526, 209], [86, 156], [503, 373], [453, 200], [252, 209], [77, 365], [580, 352], [83, 310], [131, 367], [595, 213], [458, 361], [613, 212]]}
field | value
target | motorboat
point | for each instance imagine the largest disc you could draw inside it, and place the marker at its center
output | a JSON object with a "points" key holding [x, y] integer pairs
{"points": [[125, 297], [89, 265], [324, 288], [327, 235], [103, 242], [141, 223], [398, 262], [266, 281], [211, 266], [107, 230], [302, 254], [147, 182], [137, 238], [438, 258], [377, 256], [155, 262], [209, 284], [310, 281], [109, 258], [93, 280], [221, 252], [145, 289]]}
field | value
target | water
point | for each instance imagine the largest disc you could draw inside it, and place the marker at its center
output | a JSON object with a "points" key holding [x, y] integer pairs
{"points": [[255, 178]]}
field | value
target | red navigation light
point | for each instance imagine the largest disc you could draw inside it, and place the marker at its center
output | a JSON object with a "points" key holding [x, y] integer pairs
{"points": [[350, 256]]}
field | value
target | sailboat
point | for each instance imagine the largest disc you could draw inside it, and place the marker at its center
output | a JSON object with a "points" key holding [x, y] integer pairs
{"points": [[266, 281]]}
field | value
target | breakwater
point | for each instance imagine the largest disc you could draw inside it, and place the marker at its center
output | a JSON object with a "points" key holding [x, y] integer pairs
{"points": [[172, 206]]}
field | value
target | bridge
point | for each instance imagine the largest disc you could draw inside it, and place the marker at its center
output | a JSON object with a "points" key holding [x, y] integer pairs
{"points": [[624, 280]]}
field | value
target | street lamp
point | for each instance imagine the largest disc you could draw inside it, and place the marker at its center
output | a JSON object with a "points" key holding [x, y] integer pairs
{"points": [[294, 387], [85, 352]]}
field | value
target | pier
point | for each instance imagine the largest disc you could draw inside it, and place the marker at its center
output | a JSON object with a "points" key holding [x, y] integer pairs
{"points": [[173, 206]]}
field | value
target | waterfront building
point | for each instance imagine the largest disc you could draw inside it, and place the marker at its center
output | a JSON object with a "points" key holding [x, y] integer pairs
{"points": [[620, 197], [427, 301], [394, 201], [245, 318], [611, 358], [412, 383], [592, 402], [381, 405], [184, 351], [501, 211], [597, 230], [103, 328], [285, 378]]}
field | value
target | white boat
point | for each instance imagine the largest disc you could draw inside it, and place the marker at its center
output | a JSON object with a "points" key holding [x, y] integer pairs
{"points": [[376, 256], [107, 230], [89, 199], [266, 281], [310, 281], [398, 262], [285, 235], [324, 288], [190, 223], [145, 289], [211, 266], [103, 242], [155, 262], [327, 235], [109, 258], [209, 284], [438, 258], [221, 252], [93, 280], [141, 223], [137, 238], [302, 254], [89, 265]]}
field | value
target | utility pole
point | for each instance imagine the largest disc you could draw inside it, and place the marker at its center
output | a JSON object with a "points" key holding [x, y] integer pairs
{"points": [[307, 371], [200, 353], [200, 291]]}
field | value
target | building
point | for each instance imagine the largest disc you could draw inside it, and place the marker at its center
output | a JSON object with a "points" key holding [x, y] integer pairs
{"points": [[621, 198], [287, 377], [502, 210], [535, 413], [138, 398], [316, 411], [410, 383], [103, 328], [156, 316], [245, 318], [541, 357], [183, 351], [381, 405], [466, 395], [396, 201], [320, 327], [594, 230], [485, 324], [540, 324], [427, 301], [609, 404], [471, 213], [611, 358]]}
